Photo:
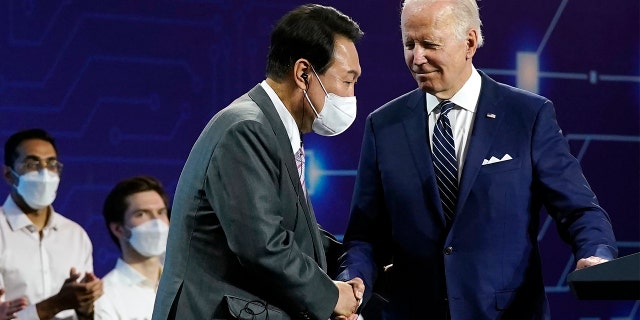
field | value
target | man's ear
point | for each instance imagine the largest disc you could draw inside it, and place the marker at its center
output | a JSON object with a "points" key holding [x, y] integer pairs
{"points": [[117, 229], [301, 70], [472, 43], [8, 176]]}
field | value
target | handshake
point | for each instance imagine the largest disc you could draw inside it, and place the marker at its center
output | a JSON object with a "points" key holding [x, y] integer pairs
{"points": [[349, 298]]}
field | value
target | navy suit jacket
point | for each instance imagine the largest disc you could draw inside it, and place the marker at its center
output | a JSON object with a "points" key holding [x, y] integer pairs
{"points": [[487, 265]]}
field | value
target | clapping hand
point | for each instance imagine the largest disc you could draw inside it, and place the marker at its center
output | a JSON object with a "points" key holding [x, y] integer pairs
{"points": [[89, 291], [8, 309]]}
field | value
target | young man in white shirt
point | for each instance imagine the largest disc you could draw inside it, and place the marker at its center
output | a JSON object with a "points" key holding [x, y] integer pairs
{"points": [[136, 215], [44, 257]]}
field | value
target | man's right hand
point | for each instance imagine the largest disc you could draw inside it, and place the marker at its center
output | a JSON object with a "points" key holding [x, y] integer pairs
{"points": [[347, 304]]}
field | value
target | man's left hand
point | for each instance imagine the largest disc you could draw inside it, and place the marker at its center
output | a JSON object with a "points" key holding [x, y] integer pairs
{"points": [[588, 262]]}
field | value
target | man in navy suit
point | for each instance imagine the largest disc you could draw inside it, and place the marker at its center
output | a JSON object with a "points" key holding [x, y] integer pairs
{"points": [[511, 158]]}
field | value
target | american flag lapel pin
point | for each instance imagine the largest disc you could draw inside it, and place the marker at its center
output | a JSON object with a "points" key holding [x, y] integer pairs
{"points": [[491, 115]]}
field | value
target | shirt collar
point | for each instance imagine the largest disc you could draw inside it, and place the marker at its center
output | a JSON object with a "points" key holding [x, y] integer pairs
{"points": [[466, 97], [18, 219], [131, 275], [287, 119]]}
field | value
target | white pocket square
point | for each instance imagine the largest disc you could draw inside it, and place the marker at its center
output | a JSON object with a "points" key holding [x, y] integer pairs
{"points": [[492, 160]]}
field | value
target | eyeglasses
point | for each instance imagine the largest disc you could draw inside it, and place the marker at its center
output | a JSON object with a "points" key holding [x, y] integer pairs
{"points": [[35, 165]]}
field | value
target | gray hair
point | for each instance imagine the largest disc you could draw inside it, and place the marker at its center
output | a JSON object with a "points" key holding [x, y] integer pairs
{"points": [[467, 16]]}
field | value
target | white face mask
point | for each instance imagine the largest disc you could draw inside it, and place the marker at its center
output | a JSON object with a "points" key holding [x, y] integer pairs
{"points": [[150, 238], [38, 188], [338, 113]]}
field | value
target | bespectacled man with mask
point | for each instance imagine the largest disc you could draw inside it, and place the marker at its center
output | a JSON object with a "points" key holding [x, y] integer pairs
{"points": [[44, 257], [135, 212], [244, 242]]}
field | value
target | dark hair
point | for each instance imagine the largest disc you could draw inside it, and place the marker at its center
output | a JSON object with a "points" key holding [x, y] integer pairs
{"points": [[308, 32], [115, 205], [11, 146]]}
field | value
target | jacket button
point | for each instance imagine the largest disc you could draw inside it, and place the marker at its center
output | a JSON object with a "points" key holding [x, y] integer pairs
{"points": [[448, 250]]}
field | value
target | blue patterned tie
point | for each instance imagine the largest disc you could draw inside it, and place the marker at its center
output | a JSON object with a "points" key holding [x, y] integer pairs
{"points": [[444, 161]]}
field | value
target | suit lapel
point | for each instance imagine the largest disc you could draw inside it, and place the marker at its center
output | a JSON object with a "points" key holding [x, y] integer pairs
{"points": [[284, 145], [415, 120], [484, 130], [284, 150]]}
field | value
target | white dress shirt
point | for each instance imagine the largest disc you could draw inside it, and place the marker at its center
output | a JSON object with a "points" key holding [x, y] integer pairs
{"points": [[287, 119], [128, 295], [460, 117], [36, 268]]}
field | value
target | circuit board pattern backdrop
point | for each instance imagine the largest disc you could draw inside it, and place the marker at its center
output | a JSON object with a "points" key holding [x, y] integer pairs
{"points": [[127, 86]]}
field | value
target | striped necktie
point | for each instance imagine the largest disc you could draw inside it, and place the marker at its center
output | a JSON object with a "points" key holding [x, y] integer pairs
{"points": [[444, 161], [299, 155]]}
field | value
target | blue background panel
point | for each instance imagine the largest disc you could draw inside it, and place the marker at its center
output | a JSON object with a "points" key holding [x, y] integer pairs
{"points": [[127, 86]]}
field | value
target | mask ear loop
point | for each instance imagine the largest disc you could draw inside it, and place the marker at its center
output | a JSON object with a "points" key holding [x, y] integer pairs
{"points": [[311, 104], [305, 77], [16, 178], [317, 77]]}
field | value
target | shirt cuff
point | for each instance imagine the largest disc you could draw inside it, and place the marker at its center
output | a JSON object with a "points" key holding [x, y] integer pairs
{"points": [[29, 313]]}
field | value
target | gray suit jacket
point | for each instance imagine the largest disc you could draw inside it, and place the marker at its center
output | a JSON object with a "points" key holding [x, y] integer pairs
{"points": [[243, 237]]}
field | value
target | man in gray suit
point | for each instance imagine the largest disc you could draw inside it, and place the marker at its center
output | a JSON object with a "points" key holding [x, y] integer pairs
{"points": [[243, 241]]}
